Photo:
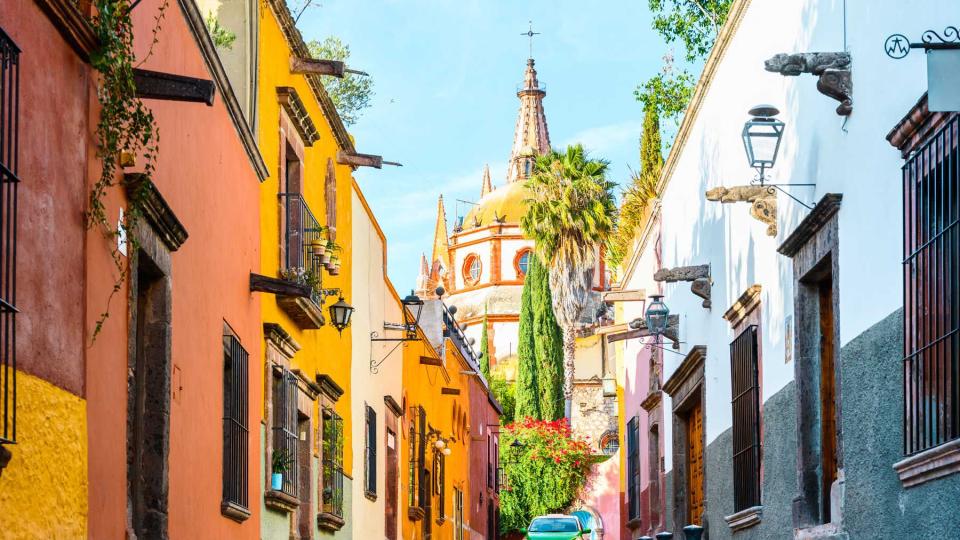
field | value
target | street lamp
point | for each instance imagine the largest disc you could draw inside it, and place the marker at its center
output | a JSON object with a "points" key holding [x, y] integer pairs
{"points": [[609, 386], [413, 306], [340, 314], [656, 315], [761, 137]]}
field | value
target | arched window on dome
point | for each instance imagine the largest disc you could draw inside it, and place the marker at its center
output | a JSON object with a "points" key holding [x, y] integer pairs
{"points": [[521, 263], [527, 166], [471, 269]]}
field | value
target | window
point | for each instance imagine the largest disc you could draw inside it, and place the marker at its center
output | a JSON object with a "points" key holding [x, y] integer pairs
{"points": [[931, 266], [744, 375], [471, 269], [370, 454], [457, 514], [633, 468], [522, 263], [332, 502], [418, 444], [235, 433], [10, 113], [285, 441]]}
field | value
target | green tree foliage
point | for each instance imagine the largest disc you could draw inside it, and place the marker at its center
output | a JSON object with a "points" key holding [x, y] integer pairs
{"points": [[544, 475], [351, 94], [667, 93], [635, 200], [484, 349], [547, 341], [222, 38], [527, 391], [695, 23], [571, 213], [505, 393]]}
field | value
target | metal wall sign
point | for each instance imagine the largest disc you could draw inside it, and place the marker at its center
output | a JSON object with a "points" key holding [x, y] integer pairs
{"points": [[943, 64]]}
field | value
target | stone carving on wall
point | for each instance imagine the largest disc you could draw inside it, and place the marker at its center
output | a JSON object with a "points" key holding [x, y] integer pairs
{"points": [[699, 275], [763, 202], [833, 68]]}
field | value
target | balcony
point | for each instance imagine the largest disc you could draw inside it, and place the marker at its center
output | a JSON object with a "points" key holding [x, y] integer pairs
{"points": [[306, 253]]}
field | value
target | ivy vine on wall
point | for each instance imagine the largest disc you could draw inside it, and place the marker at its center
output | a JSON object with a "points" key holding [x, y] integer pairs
{"points": [[125, 125]]}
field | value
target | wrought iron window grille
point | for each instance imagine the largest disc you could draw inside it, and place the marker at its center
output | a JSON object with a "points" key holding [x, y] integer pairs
{"points": [[9, 182], [235, 431], [745, 383]]}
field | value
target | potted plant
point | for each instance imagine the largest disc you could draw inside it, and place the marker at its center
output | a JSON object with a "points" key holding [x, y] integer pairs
{"points": [[281, 464], [327, 252], [334, 266], [319, 245]]}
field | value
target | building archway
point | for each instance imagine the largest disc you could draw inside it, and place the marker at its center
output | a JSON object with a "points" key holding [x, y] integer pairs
{"points": [[590, 519]]}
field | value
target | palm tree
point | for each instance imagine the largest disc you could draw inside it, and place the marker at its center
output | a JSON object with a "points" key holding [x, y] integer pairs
{"points": [[571, 213]]}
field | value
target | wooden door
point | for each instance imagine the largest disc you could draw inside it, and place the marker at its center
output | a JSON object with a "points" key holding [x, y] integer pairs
{"points": [[828, 397], [695, 464]]}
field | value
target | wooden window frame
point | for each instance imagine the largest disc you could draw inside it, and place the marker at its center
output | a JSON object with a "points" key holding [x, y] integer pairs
{"points": [[370, 454], [745, 402], [332, 463], [633, 468]]}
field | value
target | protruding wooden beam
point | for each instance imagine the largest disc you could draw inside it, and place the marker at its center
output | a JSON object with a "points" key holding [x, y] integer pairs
{"points": [[430, 361], [157, 85], [637, 295], [359, 160], [334, 68], [260, 283]]}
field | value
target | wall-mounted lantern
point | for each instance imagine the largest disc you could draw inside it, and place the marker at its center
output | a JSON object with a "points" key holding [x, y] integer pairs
{"points": [[413, 306], [609, 385], [656, 315], [340, 314], [761, 138]]}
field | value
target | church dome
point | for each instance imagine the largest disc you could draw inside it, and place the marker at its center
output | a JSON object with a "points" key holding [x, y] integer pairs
{"points": [[508, 203]]}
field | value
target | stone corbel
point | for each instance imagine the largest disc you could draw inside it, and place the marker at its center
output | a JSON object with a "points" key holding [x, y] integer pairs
{"points": [[698, 275], [763, 202], [833, 68]]}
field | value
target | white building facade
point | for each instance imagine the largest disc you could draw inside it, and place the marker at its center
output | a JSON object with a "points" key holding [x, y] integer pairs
{"points": [[808, 398]]}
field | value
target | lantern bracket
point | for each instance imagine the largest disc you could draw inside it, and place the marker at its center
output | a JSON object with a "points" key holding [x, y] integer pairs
{"points": [[374, 363]]}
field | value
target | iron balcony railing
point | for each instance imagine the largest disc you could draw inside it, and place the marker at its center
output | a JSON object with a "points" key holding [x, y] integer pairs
{"points": [[9, 148], [302, 232], [931, 294]]}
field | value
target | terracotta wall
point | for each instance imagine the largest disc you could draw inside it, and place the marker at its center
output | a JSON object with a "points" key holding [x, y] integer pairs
{"points": [[208, 181]]}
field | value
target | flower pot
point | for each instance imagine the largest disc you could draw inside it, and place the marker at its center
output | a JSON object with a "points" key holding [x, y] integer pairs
{"points": [[325, 257], [319, 249], [335, 271], [276, 481]]}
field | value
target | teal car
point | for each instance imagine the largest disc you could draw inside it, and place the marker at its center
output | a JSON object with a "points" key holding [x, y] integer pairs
{"points": [[556, 527]]}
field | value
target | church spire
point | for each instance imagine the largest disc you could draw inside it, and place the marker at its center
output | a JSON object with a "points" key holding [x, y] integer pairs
{"points": [[531, 137], [487, 186], [441, 247]]}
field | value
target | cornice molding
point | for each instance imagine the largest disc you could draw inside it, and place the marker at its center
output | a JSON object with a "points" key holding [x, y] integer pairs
{"points": [[198, 28], [275, 334], [328, 387], [156, 210], [290, 101], [828, 207], [749, 300], [688, 368], [299, 48], [72, 25]]}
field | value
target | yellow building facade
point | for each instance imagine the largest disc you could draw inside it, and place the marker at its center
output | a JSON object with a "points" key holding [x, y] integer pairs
{"points": [[305, 209]]}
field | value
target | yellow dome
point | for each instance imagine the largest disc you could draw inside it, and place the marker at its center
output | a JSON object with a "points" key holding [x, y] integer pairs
{"points": [[507, 203]]}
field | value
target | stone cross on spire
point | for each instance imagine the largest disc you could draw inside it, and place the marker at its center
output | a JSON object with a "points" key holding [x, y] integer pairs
{"points": [[530, 33]]}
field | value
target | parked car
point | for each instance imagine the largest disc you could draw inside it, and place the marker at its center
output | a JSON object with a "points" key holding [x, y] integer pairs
{"points": [[555, 527]]}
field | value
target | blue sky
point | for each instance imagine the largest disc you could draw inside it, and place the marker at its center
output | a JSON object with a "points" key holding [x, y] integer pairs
{"points": [[446, 75]]}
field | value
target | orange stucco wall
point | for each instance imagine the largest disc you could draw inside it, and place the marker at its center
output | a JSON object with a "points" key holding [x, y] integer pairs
{"points": [[207, 179]]}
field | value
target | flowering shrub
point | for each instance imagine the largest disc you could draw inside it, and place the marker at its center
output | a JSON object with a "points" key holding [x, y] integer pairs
{"points": [[544, 475]]}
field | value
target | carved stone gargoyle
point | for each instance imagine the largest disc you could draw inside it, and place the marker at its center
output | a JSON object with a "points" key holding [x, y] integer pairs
{"points": [[763, 203], [699, 275], [833, 68]]}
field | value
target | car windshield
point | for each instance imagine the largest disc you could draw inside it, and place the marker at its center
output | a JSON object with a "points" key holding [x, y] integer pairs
{"points": [[554, 525]]}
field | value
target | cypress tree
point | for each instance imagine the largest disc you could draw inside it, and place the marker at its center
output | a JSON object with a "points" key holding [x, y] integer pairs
{"points": [[527, 392], [548, 342], [484, 349]]}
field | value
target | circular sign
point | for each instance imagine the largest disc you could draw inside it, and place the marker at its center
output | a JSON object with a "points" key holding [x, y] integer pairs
{"points": [[897, 46]]}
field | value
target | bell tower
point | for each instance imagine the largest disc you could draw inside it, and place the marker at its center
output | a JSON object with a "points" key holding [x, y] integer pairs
{"points": [[531, 137]]}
